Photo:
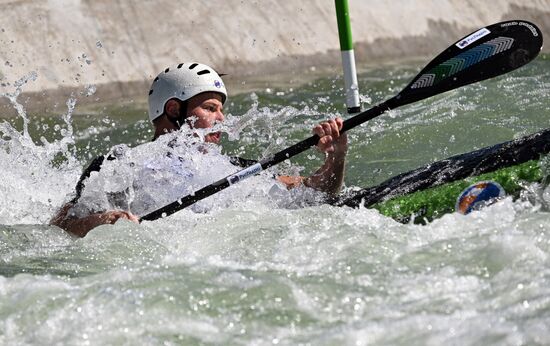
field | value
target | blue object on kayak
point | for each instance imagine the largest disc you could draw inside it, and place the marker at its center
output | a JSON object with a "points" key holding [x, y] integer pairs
{"points": [[478, 195]]}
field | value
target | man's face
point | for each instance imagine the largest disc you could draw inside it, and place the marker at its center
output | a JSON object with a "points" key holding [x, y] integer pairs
{"points": [[204, 111]]}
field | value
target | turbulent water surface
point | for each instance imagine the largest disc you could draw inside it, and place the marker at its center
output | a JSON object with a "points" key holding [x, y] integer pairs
{"points": [[254, 271]]}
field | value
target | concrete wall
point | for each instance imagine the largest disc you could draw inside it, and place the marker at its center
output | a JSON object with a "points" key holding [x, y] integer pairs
{"points": [[119, 45]]}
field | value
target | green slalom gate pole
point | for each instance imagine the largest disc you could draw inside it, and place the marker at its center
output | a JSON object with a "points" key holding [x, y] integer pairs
{"points": [[348, 57]]}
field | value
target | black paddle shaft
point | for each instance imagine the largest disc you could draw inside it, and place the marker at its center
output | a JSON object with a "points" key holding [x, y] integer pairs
{"points": [[262, 165], [485, 53]]}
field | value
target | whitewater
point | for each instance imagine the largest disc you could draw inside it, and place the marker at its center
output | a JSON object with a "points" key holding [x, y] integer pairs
{"points": [[258, 270]]}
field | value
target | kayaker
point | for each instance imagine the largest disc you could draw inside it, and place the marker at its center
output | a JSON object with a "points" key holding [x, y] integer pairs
{"points": [[193, 95]]}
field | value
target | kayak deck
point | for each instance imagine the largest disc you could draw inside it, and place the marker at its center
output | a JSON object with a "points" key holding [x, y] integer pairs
{"points": [[432, 203], [431, 191]]}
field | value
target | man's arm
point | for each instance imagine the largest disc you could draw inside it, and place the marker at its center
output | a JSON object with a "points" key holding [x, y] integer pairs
{"points": [[81, 226], [330, 177]]}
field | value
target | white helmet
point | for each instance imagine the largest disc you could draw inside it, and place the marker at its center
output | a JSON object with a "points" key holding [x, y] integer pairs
{"points": [[183, 82]]}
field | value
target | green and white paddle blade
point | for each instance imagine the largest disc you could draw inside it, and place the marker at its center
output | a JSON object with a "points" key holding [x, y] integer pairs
{"points": [[486, 53]]}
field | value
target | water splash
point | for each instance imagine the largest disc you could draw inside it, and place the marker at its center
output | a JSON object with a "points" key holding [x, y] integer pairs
{"points": [[149, 176], [37, 178], [12, 97]]}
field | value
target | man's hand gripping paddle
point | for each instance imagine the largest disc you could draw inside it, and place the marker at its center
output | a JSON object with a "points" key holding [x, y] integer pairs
{"points": [[486, 53]]}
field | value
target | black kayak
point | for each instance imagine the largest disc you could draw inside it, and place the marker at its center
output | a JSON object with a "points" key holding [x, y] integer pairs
{"points": [[430, 191]]}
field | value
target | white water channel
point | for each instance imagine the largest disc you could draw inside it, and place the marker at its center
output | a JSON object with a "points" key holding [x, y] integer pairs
{"points": [[257, 272]]}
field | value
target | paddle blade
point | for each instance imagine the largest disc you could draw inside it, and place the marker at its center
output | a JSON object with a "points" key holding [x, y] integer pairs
{"points": [[486, 53]]}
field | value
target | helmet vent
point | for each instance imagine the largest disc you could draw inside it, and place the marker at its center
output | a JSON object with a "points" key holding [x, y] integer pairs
{"points": [[180, 65], [193, 66], [166, 71], [203, 72], [150, 91], [156, 79]]}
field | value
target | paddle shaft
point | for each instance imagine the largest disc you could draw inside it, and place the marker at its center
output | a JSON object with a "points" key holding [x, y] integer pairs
{"points": [[266, 163]]}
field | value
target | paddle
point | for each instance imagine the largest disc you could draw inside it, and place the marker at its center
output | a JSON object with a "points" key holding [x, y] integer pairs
{"points": [[486, 53]]}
